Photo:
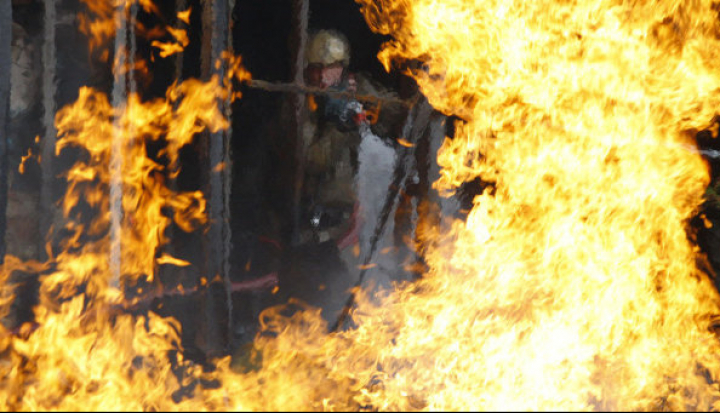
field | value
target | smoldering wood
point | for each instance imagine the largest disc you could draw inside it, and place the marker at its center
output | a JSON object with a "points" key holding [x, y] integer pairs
{"points": [[5, 62]]}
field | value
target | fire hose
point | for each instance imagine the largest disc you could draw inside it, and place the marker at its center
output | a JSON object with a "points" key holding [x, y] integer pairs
{"points": [[267, 281]]}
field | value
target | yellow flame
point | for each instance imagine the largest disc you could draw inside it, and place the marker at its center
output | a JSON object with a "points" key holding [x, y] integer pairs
{"points": [[572, 284], [99, 24], [405, 143], [184, 16], [104, 17], [167, 259], [168, 49], [85, 353], [25, 158]]}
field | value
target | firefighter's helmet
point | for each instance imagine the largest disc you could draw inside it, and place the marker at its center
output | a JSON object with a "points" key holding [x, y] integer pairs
{"points": [[327, 47]]}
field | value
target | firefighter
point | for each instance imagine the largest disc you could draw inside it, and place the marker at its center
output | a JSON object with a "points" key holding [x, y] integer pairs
{"points": [[339, 124], [332, 135]]}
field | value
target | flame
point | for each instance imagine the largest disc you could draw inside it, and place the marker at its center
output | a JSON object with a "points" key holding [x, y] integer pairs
{"points": [[30, 155], [99, 24], [104, 17], [168, 49], [571, 284], [405, 143], [86, 352], [184, 16], [167, 259]]}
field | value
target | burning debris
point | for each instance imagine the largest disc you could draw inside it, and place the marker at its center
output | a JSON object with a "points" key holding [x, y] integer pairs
{"points": [[516, 230]]}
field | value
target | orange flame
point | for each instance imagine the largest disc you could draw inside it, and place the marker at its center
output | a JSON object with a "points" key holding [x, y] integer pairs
{"points": [[83, 348], [168, 49], [571, 284], [104, 17], [25, 158]]}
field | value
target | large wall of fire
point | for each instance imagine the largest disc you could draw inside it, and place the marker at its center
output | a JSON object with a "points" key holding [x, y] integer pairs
{"points": [[577, 140]]}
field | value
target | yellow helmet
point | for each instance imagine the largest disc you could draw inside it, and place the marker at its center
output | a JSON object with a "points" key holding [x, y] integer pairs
{"points": [[327, 47]]}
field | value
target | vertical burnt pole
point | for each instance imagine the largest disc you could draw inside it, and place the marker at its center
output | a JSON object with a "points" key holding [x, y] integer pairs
{"points": [[298, 42], [124, 83], [216, 185], [180, 5], [5, 62], [119, 97], [226, 171], [47, 144]]}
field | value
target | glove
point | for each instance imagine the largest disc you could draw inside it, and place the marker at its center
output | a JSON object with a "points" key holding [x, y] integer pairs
{"points": [[352, 114], [347, 115], [360, 118]]}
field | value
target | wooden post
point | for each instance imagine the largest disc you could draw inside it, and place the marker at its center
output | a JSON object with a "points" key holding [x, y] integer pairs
{"points": [[215, 155], [225, 18], [5, 62], [119, 98], [301, 9], [170, 175], [124, 84], [47, 144]]}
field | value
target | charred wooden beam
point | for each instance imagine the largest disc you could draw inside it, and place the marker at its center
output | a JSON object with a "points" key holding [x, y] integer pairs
{"points": [[119, 97], [5, 62], [217, 172], [299, 38], [47, 144]]}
